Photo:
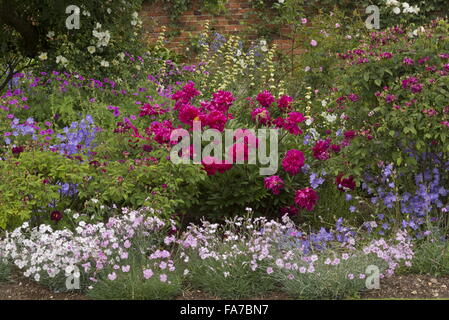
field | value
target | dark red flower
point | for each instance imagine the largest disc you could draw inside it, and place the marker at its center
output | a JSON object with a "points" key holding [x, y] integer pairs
{"points": [[17, 150], [290, 211], [350, 134], [346, 183], [56, 215], [320, 150], [147, 148]]}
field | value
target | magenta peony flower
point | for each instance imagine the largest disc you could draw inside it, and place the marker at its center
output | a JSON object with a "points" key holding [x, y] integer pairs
{"points": [[265, 99], [293, 161], [212, 165], [306, 198], [274, 184], [284, 102], [248, 136], [291, 123], [320, 150], [238, 152], [186, 94], [262, 115], [222, 101], [188, 114], [161, 130], [215, 120]]}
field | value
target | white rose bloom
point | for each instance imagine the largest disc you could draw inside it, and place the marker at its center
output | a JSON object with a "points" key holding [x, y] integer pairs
{"points": [[108, 10], [91, 49], [61, 60], [51, 34], [43, 56], [281, 1], [104, 63], [397, 10]]}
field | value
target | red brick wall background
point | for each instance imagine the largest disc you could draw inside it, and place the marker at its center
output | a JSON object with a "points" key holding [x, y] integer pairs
{"points": [[191, 23]]}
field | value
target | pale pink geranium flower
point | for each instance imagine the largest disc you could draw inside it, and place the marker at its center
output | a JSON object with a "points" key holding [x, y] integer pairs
{"points": [[163, 277], [126, 268], [147, 273], [313, 43], [112, 276]]}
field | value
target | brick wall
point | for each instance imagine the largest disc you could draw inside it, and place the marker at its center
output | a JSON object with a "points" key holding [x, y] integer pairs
{"points": [[191, 23]]}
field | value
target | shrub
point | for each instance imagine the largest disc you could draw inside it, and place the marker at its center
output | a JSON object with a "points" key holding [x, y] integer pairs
{"points": [[37, 31]]}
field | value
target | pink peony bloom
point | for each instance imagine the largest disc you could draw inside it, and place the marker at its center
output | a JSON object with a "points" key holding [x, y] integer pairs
{"points": [[274, 184], [188, 114], [306, 198], [265, 99], [291, 123], [284, 102], [320, 150], [293, 161], [261, 115]]}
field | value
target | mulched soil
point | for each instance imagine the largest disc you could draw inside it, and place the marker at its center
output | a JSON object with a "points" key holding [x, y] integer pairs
{"points": [[21, 288], [411, 286], [397, 287]]}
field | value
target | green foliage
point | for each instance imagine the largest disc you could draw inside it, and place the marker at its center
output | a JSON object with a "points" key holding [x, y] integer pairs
{"points": [[133, 286], [328, 281], [23, 193], [5, 270], [431, 257]]}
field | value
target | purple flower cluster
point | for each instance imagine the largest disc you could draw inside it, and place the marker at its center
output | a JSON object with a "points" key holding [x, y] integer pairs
{"points": [[78, 138]]}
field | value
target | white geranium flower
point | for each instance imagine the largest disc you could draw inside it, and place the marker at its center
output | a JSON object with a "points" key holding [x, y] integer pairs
{"points": [[51, 34], [104, 63]]}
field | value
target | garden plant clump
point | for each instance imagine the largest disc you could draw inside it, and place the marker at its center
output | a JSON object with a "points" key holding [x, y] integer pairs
{"points": [[131, 171]]}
